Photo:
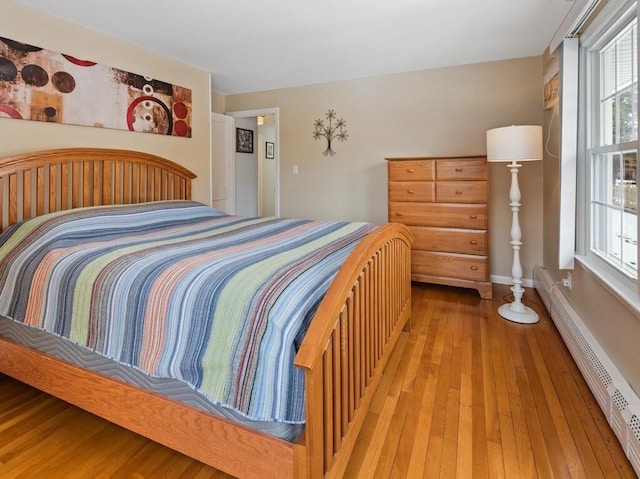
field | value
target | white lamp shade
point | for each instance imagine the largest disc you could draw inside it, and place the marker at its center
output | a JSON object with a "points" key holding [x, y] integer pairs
{"points": [[515, 143]]}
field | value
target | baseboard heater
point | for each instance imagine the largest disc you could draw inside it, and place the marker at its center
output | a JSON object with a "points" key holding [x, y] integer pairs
{"points": [[620, 404]]}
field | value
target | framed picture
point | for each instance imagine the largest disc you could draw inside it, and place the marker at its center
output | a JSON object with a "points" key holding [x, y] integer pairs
{"points": [[244, 140], [269, 150]]}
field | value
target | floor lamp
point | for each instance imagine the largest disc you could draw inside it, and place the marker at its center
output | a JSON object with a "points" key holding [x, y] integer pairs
{"points": [[515, 144]]}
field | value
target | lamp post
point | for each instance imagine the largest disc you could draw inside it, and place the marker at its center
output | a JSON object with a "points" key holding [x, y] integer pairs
{"points": [[515, 144]]}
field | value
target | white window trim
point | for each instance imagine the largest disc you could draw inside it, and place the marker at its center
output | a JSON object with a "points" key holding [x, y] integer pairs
{"points": [[568, 152], [615, 14]]}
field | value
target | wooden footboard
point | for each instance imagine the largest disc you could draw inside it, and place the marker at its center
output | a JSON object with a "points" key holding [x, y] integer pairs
{"points": [[343, 354], [348, 345]]}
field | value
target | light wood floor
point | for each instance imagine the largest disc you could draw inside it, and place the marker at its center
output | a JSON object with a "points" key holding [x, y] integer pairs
{"points": [[466, 394]]}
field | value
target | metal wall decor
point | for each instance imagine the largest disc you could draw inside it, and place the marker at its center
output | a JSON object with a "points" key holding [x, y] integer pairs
{"points": [[43, 85], [333, 129]]}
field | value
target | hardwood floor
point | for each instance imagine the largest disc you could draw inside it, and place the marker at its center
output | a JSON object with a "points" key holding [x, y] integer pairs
{"points": [[466, 394]]}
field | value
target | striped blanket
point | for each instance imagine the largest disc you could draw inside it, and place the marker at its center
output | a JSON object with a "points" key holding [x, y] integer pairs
{"points": [[177, 289]]}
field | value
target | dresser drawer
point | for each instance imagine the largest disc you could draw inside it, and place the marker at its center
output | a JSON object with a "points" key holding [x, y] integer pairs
{"points": [[452, 240], [412, 191], [443, 201], [463, 169], [412, 170], [461, 191], [450, 265], [433, 214]]}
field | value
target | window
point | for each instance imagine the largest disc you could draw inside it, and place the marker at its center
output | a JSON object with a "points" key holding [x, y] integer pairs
{"points": [[612, 144]]}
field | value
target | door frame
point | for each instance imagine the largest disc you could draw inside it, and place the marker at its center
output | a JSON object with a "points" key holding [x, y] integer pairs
{"points": [[275, 111]]}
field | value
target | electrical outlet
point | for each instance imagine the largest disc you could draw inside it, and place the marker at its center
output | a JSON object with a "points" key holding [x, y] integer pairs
{"points": [[566, 282]]}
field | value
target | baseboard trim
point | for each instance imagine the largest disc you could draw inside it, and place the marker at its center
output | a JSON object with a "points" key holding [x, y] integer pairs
{"points": [[526, 282]]}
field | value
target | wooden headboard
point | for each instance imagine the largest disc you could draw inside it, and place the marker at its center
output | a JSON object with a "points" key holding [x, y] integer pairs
{"points": [[41, 182]]}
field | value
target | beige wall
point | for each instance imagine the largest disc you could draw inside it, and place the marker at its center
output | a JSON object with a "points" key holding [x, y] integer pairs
{"points": [[218, 103], [551, 192], [428, 113], [17, 136]]}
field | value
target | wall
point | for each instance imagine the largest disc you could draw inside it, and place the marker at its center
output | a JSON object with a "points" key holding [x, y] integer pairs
{"points": [[551, 181], [218, 103], [429, 113], [17, 136]]}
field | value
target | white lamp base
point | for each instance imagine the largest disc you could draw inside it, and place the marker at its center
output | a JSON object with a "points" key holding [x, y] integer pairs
{"points": [[518, 313]]}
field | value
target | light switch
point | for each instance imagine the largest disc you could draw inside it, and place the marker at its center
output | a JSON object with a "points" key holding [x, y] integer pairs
{"points": [[295, 169]]}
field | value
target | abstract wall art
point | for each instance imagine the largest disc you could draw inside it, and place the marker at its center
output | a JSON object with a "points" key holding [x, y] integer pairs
{"points": [[244, 140], [42, 85]]}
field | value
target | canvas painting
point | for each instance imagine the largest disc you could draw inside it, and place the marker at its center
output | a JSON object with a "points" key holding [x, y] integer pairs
{"points": [[42, 85]]}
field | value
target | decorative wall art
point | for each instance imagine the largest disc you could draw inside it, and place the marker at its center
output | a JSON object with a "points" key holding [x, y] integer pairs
{"points": [[42, 85], [332, 130], [551, 83], [270, 153], [244, 140]]}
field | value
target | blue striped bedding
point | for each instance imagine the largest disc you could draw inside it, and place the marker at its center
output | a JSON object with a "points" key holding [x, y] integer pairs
{"points": [[177, 289]]}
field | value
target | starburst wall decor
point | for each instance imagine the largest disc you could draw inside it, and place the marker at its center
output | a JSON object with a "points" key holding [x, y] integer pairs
{"points": [[334, 129]]}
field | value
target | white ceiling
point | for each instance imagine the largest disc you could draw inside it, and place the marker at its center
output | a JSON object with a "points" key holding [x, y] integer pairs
{"points": [[255, 45]]}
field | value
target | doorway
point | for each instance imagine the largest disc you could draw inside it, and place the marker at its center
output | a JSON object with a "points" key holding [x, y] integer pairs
{"points": [[256, 175]]}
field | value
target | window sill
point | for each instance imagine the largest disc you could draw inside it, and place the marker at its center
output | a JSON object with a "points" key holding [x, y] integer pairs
{"points": [[626, 294]]}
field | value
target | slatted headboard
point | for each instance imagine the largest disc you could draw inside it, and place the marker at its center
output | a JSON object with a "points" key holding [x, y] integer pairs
{"points": [[41, 182]]}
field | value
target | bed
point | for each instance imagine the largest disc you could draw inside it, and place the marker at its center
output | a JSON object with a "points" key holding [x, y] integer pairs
{"points": [[340, 358]]}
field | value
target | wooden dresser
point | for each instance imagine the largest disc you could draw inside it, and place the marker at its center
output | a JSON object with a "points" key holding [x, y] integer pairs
{"points": [[444, 203]]}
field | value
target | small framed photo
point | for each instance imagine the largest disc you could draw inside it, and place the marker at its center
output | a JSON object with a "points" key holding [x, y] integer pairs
{"points": [[244, 140], [269, 150]]}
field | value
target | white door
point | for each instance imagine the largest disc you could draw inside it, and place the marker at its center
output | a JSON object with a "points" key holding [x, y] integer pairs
{"points": [[222, 163]]}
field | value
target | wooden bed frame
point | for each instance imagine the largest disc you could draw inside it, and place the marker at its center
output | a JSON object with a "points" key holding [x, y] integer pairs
{"points": [[343, 354]]}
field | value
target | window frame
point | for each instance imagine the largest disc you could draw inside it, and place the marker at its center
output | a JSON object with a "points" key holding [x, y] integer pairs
{"points": [[611, 20]]}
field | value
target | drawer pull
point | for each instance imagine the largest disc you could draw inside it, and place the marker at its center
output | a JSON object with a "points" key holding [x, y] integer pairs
{"points": [[473, 242], [474, 268], [459, 170], [458, 192], [398, 214], [410, 192], [410, 170], [473, 217]]}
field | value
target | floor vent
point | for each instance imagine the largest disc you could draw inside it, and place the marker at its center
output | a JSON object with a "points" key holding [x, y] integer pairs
{"points": [[620, 404]]}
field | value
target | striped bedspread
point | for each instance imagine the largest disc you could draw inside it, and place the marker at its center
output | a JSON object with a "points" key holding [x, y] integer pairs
{"points": [[180, 290]]}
